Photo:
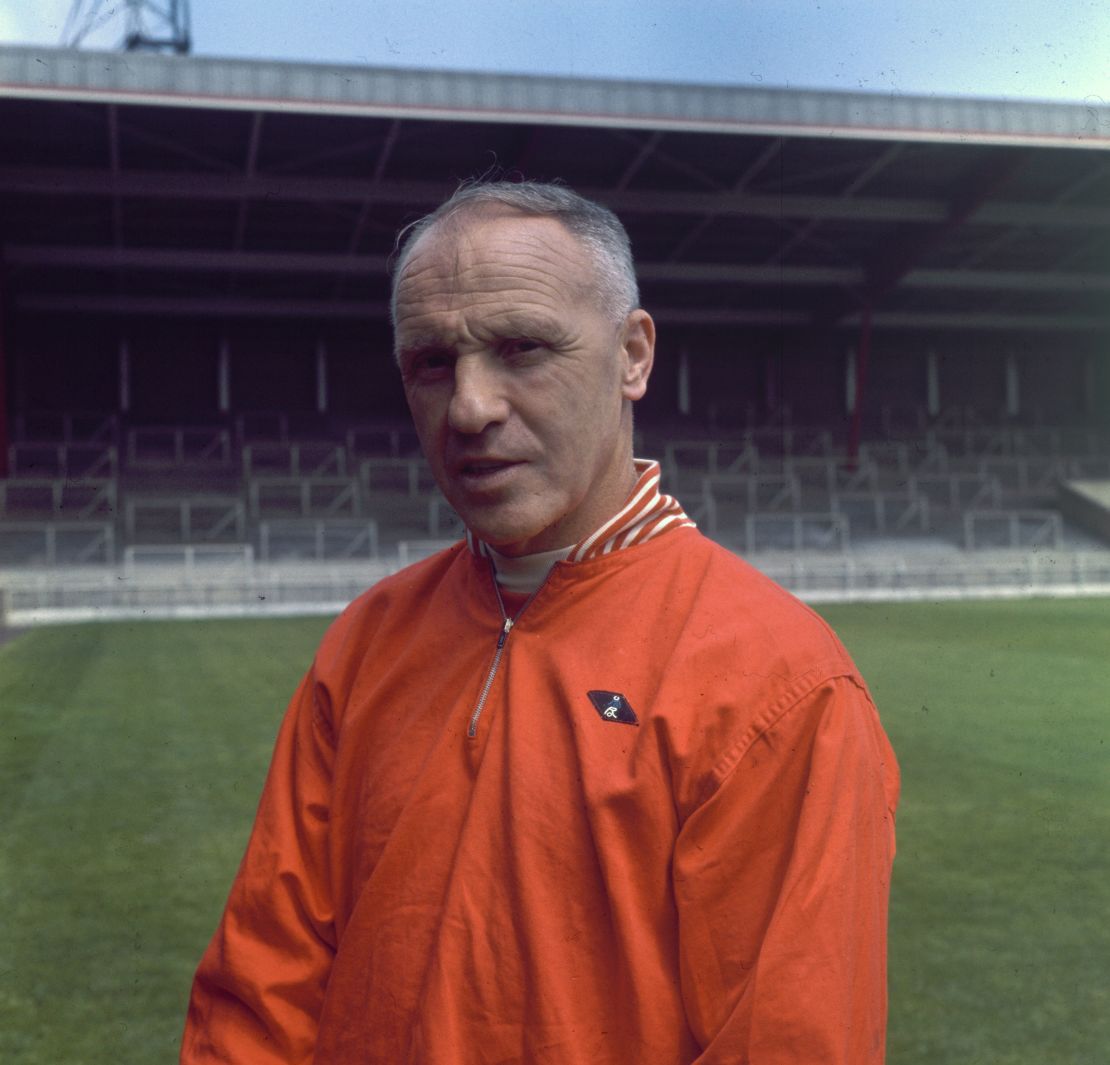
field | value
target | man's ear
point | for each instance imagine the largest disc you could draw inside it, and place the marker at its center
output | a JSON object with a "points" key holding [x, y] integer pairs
{"points": [[637, 354]]}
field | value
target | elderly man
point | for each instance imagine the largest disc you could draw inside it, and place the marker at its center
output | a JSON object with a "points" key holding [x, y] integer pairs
{"points": [[586, 788]]}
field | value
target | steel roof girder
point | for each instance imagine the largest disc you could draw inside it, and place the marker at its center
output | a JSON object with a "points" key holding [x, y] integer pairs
{"points": [[1006, 280], [263, 307], [213, 260], [293, 262], [66, 181]]}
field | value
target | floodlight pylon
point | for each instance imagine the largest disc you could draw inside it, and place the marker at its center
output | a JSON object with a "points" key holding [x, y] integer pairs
{"points": [[149, 25]]}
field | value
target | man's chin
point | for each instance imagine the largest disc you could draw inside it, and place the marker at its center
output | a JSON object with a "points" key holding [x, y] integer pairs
{"points": [[506, 542], [503, 530]]}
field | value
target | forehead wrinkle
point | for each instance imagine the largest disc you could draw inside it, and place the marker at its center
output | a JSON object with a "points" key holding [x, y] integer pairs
{"points": [[494, 267], [547, 296], [523, 261], [500, 279], [548, 255]]}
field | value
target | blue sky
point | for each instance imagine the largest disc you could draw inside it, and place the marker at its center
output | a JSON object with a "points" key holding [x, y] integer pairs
{"points": [[1023, 48]]}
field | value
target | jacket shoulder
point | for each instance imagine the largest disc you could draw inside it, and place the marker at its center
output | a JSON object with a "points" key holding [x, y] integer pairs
{"points": [[740, 603], [390, 601]]}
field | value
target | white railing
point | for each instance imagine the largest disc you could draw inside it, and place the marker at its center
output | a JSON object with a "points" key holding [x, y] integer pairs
{"points": [[997, 575], [321, 540], [72, 460], [729, 497], [187, 561], [276, 497], [884, 510], [958, 490], [39, 497], [1012, 528], [688, 461], [194, 582], [795, 532], [382, 441], [199, 583], [177, 446], [982, 441], [187, 518], [831, 475], [76, 427], [303, 459], [50, 543], [411, 476]]}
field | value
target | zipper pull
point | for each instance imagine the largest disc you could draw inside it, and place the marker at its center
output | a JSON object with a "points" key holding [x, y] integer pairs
{"points": [[504, 633]]}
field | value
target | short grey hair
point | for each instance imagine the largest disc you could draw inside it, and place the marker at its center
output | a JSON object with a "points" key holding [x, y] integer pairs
{"points": [[594, 226]]}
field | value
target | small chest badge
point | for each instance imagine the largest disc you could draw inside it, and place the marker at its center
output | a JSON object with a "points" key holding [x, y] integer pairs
{"points": [[612, 706]]}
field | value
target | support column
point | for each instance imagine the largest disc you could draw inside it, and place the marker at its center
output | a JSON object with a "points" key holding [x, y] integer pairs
{"points": [[684, 380], [321, 377], [4, 434], [932, 384], [223, 376], [863, 357], [1013, 386], [851, 381], [124, 376]]}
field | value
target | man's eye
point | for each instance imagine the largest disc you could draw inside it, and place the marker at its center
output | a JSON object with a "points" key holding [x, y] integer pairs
{"points": [[429, 362], [521, 346]]}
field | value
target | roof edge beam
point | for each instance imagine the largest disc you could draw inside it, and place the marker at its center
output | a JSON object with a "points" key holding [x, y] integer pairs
{"points": [[235, 306], [469, 96], [285, 262], [64, 181], [68, 257]]}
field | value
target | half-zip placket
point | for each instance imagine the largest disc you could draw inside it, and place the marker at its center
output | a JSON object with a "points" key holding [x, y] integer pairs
{"points": [[507, 624]]}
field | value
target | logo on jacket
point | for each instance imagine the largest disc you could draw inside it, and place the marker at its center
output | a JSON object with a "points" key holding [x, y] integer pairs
{"points": [[612, 706]]}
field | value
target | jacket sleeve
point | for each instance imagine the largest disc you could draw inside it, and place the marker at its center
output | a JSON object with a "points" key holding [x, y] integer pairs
{"points": [[260, 985], [782, 880]]}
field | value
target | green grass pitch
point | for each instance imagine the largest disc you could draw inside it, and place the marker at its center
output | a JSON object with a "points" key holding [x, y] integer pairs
{"points": [[132, 755]]}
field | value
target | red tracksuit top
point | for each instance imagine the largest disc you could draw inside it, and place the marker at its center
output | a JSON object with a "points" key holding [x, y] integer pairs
{"points": [[665, 838]]}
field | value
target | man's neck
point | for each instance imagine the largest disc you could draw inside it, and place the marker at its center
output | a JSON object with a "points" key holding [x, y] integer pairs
{"points": [[525, 573]]}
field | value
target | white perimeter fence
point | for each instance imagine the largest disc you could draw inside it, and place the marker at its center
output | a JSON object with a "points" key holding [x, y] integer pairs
{"points": [[218, 582], [999, 575]]}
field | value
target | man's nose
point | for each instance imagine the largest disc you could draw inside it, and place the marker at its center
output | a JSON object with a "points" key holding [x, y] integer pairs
{"points": [[478, 400]]}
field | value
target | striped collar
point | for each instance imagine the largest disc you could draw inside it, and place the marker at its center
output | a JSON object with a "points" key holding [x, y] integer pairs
{"points": [[646, 514]]}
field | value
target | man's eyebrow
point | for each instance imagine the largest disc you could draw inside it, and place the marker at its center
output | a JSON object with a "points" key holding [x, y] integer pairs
{"points": [[513, 322], [419, 342], [524, 323]]}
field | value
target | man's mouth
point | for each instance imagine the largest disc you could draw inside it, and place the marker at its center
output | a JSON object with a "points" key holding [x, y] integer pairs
{"points": [[480, 466], [483, 471]]}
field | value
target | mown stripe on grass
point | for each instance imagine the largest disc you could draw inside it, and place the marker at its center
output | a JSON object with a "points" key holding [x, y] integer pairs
{"points": [[1000, 715], [140, 749], [149, 745]]}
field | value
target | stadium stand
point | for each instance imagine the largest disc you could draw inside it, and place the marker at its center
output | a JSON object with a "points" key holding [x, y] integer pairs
{"points": [[917, 484], [882, 345], [976, 492]]}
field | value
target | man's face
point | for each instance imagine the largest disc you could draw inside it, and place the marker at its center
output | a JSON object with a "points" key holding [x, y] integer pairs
{"points": [[519, 384]]}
